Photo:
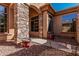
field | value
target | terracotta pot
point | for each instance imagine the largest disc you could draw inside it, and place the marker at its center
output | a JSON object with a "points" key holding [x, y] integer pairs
{"points": [[25, 44]]}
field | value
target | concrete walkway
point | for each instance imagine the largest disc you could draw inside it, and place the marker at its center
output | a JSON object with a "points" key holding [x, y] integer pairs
{"points": [[7, 48], [57, 45]]}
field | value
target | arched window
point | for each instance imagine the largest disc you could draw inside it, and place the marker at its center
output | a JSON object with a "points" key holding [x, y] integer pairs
{"points": [[3, 19]]}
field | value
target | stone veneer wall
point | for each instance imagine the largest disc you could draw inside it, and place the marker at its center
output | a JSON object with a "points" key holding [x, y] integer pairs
{"points": [[22, 22]]}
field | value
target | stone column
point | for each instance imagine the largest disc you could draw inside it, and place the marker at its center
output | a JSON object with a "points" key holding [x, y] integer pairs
{"points": [[22, 22], [77, 27], [45, 24]]}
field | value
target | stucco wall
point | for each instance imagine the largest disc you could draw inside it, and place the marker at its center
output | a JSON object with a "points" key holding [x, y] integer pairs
{"points": [[40, 25], [10, 23], [77, 28], [45, 24], [57, 24]]}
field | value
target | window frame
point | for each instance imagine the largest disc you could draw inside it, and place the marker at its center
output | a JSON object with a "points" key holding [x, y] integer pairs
{"points": [[33, 19], [7, 17]]}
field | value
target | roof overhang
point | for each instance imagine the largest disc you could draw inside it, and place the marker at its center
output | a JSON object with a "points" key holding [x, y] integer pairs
{"points": [[47, 7], [7, 4], [66, 11]]}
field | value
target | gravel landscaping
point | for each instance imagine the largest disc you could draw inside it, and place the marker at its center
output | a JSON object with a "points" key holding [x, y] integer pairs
{"points": [[10, 49], [40, 50]]}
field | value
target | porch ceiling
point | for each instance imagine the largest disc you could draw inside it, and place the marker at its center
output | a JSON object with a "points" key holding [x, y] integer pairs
{"points": [[63, 6]]}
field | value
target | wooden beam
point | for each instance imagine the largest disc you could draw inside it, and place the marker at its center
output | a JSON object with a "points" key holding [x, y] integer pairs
{"points": [[4, 4], [47, 7]]}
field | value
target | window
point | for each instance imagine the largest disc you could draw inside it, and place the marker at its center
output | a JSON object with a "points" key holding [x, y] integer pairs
{"points": [[34, 24], [3, 19], [69, 22]]}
